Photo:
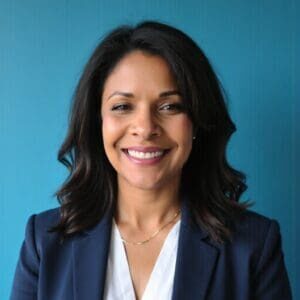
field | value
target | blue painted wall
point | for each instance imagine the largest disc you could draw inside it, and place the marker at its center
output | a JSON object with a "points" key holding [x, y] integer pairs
{"points": [[253, 45]]}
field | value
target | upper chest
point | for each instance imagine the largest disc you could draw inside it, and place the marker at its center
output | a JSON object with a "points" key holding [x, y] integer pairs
{"points": [[141, 261], [140, 267]]}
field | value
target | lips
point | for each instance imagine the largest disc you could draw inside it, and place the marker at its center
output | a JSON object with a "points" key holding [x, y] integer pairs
{"points": [[145, 149], [165, 151], [144, 160]]}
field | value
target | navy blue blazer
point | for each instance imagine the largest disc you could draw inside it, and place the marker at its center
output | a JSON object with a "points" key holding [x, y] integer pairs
{"points": [[251, 266]]}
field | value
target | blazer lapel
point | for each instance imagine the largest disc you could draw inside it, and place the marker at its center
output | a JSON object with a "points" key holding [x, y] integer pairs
{"points": [[196, 259], [90, 254]]}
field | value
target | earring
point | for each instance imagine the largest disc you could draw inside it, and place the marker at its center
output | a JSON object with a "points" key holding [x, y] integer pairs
{"points": [[194, 137]]}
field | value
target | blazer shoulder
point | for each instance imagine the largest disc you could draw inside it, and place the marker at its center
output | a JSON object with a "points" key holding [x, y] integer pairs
{"points": [[252, 218], [258, 240], [38, 225], [253, 228], [47, 218]]}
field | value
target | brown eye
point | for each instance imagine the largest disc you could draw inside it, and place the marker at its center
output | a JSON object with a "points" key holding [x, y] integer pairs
{"points": [[173, 107], [120, 107]]}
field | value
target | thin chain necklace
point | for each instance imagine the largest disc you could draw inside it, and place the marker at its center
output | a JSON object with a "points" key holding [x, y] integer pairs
{"points": [[153, 235]]}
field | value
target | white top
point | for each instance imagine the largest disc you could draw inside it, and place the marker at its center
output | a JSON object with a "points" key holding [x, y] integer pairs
{"points": [[118, 284]]}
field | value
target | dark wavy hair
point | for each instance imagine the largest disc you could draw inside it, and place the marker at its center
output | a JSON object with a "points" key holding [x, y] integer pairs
{"points": [[213, 187]]}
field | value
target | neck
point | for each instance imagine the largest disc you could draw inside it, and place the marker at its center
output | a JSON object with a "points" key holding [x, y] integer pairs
{"points": [[144, 209]]}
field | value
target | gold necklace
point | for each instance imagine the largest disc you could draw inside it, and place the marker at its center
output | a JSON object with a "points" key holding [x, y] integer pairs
{"points": [[153, 235]]}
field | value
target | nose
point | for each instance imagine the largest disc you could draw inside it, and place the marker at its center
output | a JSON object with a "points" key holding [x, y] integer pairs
{"points": [[145, 124]]}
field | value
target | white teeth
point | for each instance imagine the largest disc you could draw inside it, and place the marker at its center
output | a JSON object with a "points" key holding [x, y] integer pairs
{"points": [[145, 155]]}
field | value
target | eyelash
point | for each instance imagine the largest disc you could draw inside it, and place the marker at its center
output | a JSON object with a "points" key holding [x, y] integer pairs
{"points": [[176, 106]]}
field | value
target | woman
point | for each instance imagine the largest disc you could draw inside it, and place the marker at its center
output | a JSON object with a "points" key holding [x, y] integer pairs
{"points": [[150, 209]]}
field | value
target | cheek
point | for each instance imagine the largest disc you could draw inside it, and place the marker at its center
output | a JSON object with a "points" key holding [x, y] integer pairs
{"points": [[110, 130], [187, 125], [184, 131], [183, 136]]}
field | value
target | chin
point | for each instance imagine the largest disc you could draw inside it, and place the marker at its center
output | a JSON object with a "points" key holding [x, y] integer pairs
{"points": [[143, 183]]}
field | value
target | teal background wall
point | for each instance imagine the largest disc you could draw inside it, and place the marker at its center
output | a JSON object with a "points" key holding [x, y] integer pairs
{"points": [[254, 47]]}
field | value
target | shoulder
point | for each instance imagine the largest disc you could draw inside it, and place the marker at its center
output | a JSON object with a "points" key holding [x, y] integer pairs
{"points": [[48, 216], [253, 224], [37, 233], [45, 220], [257, 243], [255, 235]]}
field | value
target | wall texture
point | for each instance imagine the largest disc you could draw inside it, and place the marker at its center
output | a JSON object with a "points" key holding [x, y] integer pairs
{"points": [[253, 45]]}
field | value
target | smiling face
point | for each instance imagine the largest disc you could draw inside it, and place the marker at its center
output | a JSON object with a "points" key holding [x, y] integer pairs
{"points": [[147, 134]]}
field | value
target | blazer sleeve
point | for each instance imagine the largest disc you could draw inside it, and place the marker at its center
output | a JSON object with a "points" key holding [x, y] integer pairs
{"points": [[271, 280], [26, 274]]}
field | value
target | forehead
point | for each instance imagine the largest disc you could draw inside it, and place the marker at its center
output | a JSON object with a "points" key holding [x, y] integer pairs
{"points": [[140, 71]]}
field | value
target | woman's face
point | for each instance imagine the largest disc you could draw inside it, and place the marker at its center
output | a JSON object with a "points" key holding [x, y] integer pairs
{"points": [[146, 133]]}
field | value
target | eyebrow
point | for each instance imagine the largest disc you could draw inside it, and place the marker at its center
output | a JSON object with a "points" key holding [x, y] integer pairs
{"points": [[130, 95]]}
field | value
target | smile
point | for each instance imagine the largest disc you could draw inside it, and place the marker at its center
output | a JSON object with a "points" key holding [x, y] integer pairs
{"points": [[145, 158], [145, 155]]}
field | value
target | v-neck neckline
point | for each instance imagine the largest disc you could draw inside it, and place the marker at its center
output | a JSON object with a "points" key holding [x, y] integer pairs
{"points": [[162, 261]]}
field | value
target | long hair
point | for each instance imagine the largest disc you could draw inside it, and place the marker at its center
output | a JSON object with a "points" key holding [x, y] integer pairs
{"points": [[213, 187]]}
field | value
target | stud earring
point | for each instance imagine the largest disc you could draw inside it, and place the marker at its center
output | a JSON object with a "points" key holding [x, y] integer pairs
{"points": [[194, 137]]}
